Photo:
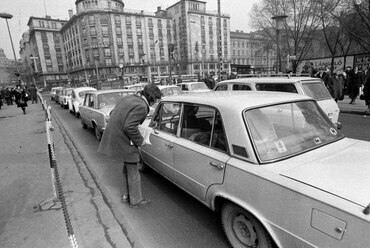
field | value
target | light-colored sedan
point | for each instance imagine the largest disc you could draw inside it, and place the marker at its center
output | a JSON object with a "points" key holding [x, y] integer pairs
{"points": [[273, 165], [77, 98], [65, 97], [96, 108]]}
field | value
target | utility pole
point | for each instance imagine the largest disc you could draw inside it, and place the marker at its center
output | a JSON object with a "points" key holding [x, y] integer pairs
{"points": [[219, 42]]}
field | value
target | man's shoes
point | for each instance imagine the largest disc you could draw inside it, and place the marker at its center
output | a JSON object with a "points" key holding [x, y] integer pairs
{"points": [[125, 199], [141, 203]]}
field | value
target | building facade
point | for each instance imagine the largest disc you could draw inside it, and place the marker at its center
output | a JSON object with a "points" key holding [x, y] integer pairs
{"points": [[106, 41], [252, 50]]}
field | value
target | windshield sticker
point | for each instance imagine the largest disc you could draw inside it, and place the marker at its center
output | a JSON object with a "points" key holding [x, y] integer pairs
{"points": [[333, 131], [317, 140], [280, 146]]}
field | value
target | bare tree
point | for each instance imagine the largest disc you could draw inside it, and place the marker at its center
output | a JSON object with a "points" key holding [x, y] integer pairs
{"points": [[300, 25]]}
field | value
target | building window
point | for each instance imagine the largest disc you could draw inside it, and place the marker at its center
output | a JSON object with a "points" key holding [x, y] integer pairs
{"points": [[108, 61], [104, 30], [107, 52], [119, 41], [91, 19], [92, 31], [95, 52]]}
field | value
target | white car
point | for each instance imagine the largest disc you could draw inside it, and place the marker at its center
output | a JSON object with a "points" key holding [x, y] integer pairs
{"points": [[96, 108], [77, 98], [53, 91], [308, 86], [272, 164], [193, 87], [65, 97]]}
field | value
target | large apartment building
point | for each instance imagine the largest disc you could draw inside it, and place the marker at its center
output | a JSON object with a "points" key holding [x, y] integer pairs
{"points": [[252, 50], [105, 40]]}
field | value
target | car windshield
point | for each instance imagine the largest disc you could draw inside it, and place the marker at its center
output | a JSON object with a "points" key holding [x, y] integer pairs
{"points": [[199, 86], [279, 131], [316, 90], [110, 99]]}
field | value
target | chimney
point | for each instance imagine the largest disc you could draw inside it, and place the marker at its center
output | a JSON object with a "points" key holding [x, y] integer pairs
{"points": [[70, 13]]}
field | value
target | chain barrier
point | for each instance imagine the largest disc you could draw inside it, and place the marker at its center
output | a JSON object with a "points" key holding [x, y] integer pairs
{"points": [[59, 200]]}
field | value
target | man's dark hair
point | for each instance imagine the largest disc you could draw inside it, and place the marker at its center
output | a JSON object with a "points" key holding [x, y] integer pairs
{"points": [[151, 92]]}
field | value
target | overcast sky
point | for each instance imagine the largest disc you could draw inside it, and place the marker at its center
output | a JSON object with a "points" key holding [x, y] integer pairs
{"points": [[23, 9]]}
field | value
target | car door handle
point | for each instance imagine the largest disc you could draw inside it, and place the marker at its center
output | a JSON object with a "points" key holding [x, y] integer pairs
{"points": [[217, 165], [169, 145]]}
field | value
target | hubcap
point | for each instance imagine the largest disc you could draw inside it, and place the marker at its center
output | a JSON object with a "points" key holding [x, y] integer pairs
{"points": [[244, 231]]}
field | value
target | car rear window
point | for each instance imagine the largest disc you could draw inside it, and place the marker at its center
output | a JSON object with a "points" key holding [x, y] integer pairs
{"points": [[316, 90], [287, 87]]}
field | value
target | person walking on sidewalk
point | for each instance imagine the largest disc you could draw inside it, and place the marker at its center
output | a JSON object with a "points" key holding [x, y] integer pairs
{"points": [[122, 138], [21, 98], [367, 90], [354, 84], [33, 93]]}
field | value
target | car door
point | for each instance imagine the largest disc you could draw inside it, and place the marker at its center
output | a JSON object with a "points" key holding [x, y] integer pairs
{"points": [[159, 155], [85, 111], [200, 154]]}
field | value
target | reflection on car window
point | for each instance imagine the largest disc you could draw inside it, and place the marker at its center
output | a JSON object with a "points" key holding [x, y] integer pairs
{"points": [[282, 130], [317, 91], [221, 87], [167, 118]]}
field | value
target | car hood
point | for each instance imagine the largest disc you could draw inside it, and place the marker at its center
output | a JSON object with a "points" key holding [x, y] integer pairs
{"points": [[344, 173]]}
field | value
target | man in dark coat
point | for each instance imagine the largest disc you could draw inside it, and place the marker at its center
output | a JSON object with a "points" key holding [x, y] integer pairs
{"points": [[33, 93], [122, 138], [354, 84]]}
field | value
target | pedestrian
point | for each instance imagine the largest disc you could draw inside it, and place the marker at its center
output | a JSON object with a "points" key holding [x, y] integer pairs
{"points": [[122, 138], [33, 93], [367, 90], [324, 75], [354, 84], [337, 86], [21, 98]]}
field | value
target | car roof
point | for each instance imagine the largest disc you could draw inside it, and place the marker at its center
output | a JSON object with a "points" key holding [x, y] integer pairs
{"points": [[270, 80], [98, 92], [232, 99], [83, 89], [190, 83]]}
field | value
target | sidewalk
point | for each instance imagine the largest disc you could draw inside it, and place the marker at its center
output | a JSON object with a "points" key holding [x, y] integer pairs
{"points": [[358, 108], [25, 182]]}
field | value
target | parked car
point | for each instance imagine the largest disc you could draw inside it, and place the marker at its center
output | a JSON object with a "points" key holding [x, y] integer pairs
{"points": [[53, 92], [96, 108], [312, 87], [193, 87], [136, 87], [64, 97], [168, 90], [273, 164], [58, 93], [77, 98]]}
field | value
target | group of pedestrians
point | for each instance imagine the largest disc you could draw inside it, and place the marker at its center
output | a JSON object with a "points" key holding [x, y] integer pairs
{"points": [[19, 95], [352, 82]]}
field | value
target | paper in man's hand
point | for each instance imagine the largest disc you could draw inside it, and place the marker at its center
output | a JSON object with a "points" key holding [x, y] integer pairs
{"points": [[146, 132]]}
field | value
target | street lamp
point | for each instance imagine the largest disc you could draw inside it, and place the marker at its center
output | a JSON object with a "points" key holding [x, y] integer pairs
{"points": [[7, 16], [279, 20]]}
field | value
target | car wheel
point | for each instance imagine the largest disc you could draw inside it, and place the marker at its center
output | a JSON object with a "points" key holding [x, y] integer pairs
{"points": [[65, 106], [242, 229], [76, 114], [84, 126], [98, 134]]}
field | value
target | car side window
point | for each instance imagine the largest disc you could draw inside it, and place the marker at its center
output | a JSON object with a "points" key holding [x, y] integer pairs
{"points": [[167, 117], [241, 87], [197, 123], [286, 87], [221, 87], [219, 137], [86, 101]]}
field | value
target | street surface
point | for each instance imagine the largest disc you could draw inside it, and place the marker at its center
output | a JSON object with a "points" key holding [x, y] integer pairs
{"points": [[91, 184]]}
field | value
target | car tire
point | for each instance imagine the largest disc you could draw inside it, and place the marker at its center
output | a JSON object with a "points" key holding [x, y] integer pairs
{"points": [[242, 229], [76, 114], [84, 126], [98, 134]]}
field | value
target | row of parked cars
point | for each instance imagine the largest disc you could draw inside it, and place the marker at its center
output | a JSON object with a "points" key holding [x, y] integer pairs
{"points": [[274, 165]]}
